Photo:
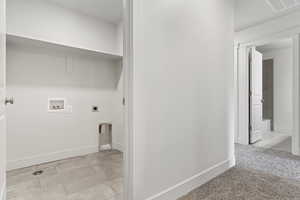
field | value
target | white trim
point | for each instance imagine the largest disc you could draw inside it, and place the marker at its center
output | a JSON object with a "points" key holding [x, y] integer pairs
{"points": [[296, 97], [3, 94], [3, 192], [242, 95], [38, 159], [186, 186], [282, 132], [269, 38], [283, 26], [118, 146], [128, 94], [235, 95], [242, 113]]}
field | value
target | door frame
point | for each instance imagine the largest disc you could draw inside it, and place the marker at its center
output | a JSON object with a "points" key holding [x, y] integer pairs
{"points": [[242, 86], [128, 95], [3, 134]]}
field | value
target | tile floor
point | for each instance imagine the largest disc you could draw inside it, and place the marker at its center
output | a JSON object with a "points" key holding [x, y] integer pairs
{"points": [[96, 176]]}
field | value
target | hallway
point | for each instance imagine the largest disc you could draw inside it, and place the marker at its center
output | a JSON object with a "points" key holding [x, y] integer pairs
{"points": [[260, 174]]}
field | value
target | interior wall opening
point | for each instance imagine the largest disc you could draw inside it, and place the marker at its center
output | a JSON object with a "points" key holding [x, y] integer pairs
{"points": [[66, 108], [271, 99]]}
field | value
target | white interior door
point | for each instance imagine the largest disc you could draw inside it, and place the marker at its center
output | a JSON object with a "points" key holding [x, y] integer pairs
{"points": [[2, 100], [256, 95]]}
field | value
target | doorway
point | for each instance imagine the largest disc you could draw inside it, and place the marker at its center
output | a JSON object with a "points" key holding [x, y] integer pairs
{"points": [[267, 70], [271, 117], [66, 90]]}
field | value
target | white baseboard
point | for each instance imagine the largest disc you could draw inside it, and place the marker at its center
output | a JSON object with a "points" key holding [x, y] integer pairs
{"points": [[118, 146], [3, 192], [35, 160], [295, 148], [280, 131], [193, 182]]}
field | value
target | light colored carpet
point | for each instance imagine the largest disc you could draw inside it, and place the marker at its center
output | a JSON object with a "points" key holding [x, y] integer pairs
{"points": [[260, 174]]}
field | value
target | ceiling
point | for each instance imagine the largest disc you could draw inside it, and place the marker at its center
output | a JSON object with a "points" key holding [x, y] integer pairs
{"points": [[108, 10], [280, 44], [252, 12]]}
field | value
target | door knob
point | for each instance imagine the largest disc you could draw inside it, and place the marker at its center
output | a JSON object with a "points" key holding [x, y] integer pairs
{"points": [[9, 100]]}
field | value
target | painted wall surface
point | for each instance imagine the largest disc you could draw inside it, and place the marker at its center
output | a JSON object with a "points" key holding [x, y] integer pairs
{"points": [[283, 87], [182, 117], [33, 76], [46, 21], [120, 39], [2, 96], [296, 96]]}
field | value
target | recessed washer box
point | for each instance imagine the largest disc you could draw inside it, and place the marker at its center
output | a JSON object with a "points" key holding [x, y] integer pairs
{"points": [[56, 104]]}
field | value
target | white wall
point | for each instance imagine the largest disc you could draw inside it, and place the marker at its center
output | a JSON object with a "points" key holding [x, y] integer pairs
{"points": [[183, 80], [2, 96], [283, 87], [36, 74], [46, 21]]}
